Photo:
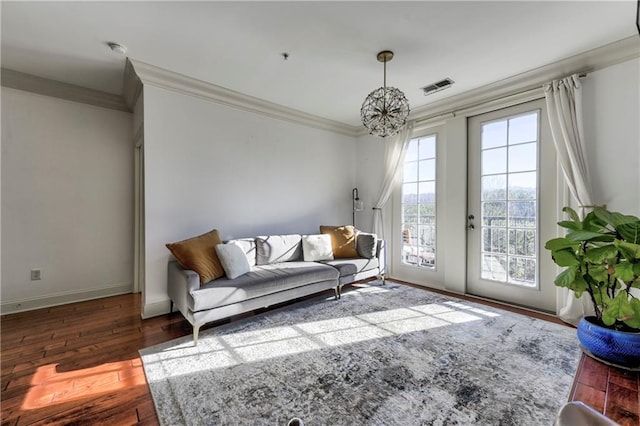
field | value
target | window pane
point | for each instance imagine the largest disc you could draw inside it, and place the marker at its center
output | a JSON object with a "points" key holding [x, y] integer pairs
{"points": [[410, 172], [523, 128], [428, 213], [427, 169], [522, 271], [494, 240], [523, 158], [410, 214], [494, 187], [494, 134], [427, 147], [427, 236], [427, 192], [410, 193], [494, 267], [522, 186], [494, 161], [494, 214], [412, 151], [522, 242], [522, 214], [419, 204]]}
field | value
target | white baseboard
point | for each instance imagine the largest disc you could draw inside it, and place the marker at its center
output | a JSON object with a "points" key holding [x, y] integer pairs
{"points": [[156, 309], [30, 304]]}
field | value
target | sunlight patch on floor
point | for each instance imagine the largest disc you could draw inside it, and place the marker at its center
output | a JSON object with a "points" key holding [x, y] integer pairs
{"points": [[51, 387]]}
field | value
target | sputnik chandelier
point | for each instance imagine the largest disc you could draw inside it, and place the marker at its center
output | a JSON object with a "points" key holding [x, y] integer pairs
{"points": [[385, 110]]}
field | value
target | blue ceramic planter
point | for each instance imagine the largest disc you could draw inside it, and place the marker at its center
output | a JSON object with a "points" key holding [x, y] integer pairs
{"points": [[617, 347]]}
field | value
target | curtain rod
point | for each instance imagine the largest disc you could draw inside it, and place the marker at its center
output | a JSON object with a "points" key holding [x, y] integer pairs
{"points": [[453, 113]]}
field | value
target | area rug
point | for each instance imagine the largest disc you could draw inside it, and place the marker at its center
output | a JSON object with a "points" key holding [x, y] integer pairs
{"points": [[382, 355]]}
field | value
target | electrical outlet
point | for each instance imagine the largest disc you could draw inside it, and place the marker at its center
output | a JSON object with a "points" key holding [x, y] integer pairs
{"points": [[36, 274]]}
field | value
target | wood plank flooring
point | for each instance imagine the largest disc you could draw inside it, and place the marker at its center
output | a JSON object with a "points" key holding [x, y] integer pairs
{"points": [[79, 364], [612, 391]]}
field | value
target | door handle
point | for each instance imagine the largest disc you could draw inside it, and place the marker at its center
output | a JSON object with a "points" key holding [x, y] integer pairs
{"points": [[470, 225]]}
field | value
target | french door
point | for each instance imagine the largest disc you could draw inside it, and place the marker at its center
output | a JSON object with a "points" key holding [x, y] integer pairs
{"points": [[512, 206]]}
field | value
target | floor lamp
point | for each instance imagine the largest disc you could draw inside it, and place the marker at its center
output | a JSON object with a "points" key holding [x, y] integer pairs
{"points": [[358, 205]]}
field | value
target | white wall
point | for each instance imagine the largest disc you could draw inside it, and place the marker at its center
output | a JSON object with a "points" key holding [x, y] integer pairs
{"points": [[210, 166], [612, 132], [370, 175], [67, 200]]}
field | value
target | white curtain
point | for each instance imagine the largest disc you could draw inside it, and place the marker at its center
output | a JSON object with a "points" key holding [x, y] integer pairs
{"points": [[564, 108], [395, 151]]}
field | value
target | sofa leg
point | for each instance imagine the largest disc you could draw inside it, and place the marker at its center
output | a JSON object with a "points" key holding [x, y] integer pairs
{"points": [[171, 307], [383, 279], [337, 292], [196, 330]]}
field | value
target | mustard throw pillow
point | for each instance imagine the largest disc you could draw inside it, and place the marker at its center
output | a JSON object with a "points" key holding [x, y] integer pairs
{"points": [[199, 255], [343, 240]]}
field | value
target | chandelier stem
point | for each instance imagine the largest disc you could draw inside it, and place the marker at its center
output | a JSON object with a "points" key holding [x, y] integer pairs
{"points": [[385, 74]]}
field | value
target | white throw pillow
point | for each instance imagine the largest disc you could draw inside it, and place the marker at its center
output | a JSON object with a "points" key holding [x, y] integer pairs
{"points": [[317, 247], [233, 260]]}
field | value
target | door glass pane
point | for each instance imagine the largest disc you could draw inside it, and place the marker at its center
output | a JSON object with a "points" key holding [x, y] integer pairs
{"points": [[419, 204], [494, 187], [509, 193], [494, 214], [522, 186], [523, 128], [494, 161], [494, 134], [522, 158]]}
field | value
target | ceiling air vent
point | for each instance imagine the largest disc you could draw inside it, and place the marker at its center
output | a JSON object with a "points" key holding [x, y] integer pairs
{"points": [[437, 86]]}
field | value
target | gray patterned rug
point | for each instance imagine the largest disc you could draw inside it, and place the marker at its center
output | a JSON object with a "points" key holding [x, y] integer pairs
{"points": [[382, 355]]}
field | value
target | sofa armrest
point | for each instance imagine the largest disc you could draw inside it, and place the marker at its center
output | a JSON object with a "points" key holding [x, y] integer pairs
{"points": [[381, 254], [180, 283]]}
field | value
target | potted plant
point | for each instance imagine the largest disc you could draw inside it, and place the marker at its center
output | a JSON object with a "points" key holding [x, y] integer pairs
{"points": [[601, 256]]}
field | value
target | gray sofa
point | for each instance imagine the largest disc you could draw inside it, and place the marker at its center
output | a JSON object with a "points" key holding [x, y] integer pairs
{"points": [[278, 274]]}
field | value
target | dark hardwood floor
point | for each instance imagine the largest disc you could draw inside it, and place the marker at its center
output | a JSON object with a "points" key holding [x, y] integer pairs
{"points": [[79, 364]]}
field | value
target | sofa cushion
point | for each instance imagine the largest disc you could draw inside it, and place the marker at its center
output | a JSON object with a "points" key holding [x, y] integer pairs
{"points": [[199, 255], [233, 260], [366, 245], [278, 248], [343, 239], [352, 266], [248, 246], [317, 247], [260, 281]]}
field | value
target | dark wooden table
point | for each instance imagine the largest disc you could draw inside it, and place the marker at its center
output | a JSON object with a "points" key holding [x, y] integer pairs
{"points": [[612, 391]]}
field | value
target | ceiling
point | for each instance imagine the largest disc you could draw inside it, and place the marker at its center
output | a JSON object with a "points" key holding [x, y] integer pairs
{"points": [[332, 46]]}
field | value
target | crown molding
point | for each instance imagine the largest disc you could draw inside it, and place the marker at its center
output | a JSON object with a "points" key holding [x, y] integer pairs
{"points": [[132, 88], [179, 83], [528, 85], [58, 89]]}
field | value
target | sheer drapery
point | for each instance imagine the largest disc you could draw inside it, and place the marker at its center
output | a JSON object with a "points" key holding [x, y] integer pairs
{"points": [[395, 151], [564, 108]]}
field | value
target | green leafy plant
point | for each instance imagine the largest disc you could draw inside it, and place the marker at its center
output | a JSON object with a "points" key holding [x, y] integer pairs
{"points": [[601, 256]]}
